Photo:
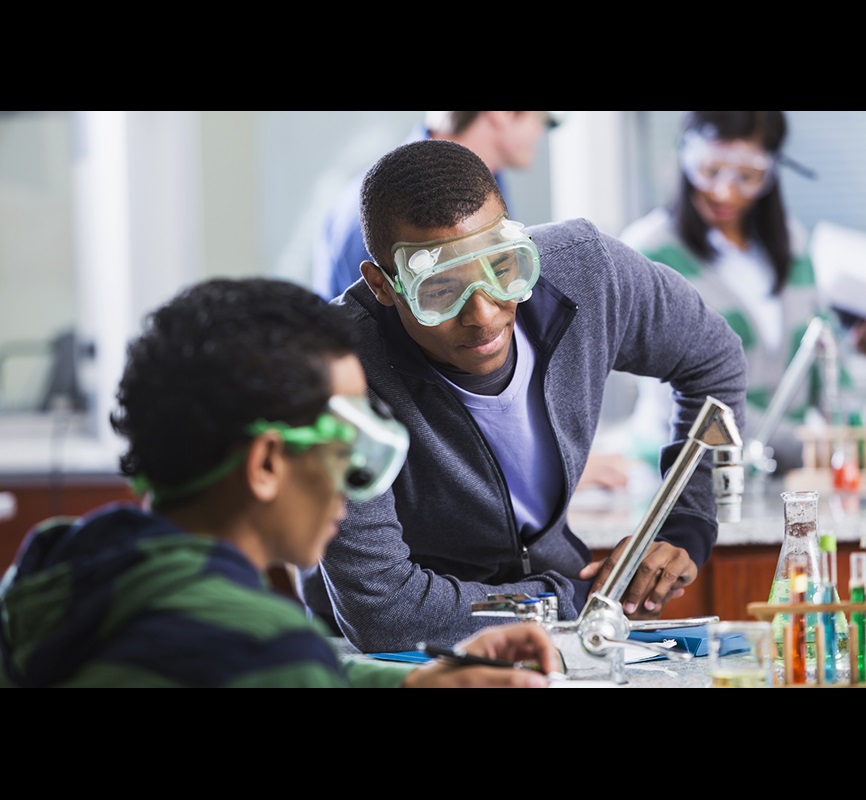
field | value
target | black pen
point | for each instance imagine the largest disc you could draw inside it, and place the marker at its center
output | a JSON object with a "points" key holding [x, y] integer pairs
{"points": [[462, 658]]}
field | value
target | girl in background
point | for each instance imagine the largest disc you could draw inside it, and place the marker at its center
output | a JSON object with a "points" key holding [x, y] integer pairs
{"points": [[728, 232]]}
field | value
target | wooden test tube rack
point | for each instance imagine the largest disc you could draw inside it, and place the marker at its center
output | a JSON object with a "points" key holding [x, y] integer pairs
{"points": [[766, 612]]}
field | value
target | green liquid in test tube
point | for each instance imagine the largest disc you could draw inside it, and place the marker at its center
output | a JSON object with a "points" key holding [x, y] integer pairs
{"points": [[857, 587]]}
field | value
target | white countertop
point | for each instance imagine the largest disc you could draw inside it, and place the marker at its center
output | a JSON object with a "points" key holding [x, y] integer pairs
{"points": [[45, 444], [602, 517]]}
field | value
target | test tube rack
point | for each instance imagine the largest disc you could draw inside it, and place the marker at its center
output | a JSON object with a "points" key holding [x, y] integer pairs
{"points": [[818, 445], [767, 611]]}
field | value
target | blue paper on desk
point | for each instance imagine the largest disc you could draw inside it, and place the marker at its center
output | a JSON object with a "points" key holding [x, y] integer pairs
{"points": [[409, 656], [694, 639]]}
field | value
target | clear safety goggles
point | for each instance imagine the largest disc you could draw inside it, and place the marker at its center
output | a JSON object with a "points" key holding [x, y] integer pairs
{"points": [[376, 444], [710, 164], [375, 450], [436, 278]]}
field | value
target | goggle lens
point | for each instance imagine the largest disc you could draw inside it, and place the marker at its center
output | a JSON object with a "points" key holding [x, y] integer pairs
{"points": [[505, 275], [711, 165], [377, 453], [437, 278]]}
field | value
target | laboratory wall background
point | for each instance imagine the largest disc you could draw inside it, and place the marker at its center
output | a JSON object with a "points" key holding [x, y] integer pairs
{"points": [[104, 215]]}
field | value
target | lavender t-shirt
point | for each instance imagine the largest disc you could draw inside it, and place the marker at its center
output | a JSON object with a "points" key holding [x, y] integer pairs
{"points": [[515, 425]]}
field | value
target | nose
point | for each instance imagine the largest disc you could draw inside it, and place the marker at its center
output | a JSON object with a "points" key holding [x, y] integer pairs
{"points": [[723, 190], [479, 309], [725, 186]]}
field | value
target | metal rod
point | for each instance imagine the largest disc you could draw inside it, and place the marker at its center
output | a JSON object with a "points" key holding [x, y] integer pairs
{"points": [[647, 530], [818, 338], [715, 426]]}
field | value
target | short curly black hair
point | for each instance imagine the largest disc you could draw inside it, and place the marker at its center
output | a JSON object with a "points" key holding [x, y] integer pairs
{"points": [[219, 355], [432, 183]]}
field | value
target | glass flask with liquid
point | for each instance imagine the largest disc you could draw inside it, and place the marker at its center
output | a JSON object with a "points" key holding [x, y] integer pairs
{"points": [[801, 538]]}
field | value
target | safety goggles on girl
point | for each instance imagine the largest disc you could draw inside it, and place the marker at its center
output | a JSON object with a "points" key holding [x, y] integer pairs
{"points": [[375, 450], [436, 278], [712, 163]]}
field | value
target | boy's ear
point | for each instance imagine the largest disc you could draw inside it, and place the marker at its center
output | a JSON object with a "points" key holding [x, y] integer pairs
{"points": [[377, 283], [265, 466]]}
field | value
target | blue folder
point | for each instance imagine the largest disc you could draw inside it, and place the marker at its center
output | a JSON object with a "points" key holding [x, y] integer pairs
{"points": [[694, 639]]}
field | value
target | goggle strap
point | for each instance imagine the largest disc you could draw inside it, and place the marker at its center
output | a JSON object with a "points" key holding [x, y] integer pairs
{"points": [[800, 169], [326, 429], [395, 282], [141, 485]]}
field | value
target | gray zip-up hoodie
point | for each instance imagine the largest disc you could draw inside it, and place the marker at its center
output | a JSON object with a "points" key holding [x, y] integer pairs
{"points": [[407, 566]]}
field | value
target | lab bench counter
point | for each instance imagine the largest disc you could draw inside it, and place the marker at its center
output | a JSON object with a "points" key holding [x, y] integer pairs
{"points": [[654, 674], [743, 562], [37, 497], [52, 465], [657, 674]]}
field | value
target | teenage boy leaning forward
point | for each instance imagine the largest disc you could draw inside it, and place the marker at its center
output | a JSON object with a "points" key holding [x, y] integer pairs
{"points": [[492, 344]]}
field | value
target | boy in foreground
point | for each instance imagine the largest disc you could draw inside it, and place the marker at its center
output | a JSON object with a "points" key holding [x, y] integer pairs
{"points": [[245, 411]]}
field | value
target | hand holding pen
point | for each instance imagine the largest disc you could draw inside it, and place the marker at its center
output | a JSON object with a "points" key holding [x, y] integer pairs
{"points": [[517, 655]]}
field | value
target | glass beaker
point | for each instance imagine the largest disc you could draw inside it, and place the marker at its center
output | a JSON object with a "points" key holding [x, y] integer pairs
{"points": [[801, 538]]}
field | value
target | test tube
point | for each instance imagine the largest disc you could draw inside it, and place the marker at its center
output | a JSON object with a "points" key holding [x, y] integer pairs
{"points": [[857, 589], [798, 576], [827, 594]]}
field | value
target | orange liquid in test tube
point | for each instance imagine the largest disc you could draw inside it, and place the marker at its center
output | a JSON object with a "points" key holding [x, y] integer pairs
{"points": [[798, 575], [845, 465]]}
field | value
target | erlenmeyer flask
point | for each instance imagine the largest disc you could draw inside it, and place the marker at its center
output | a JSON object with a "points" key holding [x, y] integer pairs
{"points": [[801, 537]]}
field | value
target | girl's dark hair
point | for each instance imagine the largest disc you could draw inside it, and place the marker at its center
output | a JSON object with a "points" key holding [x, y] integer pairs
{"points": [[766, 220]]}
